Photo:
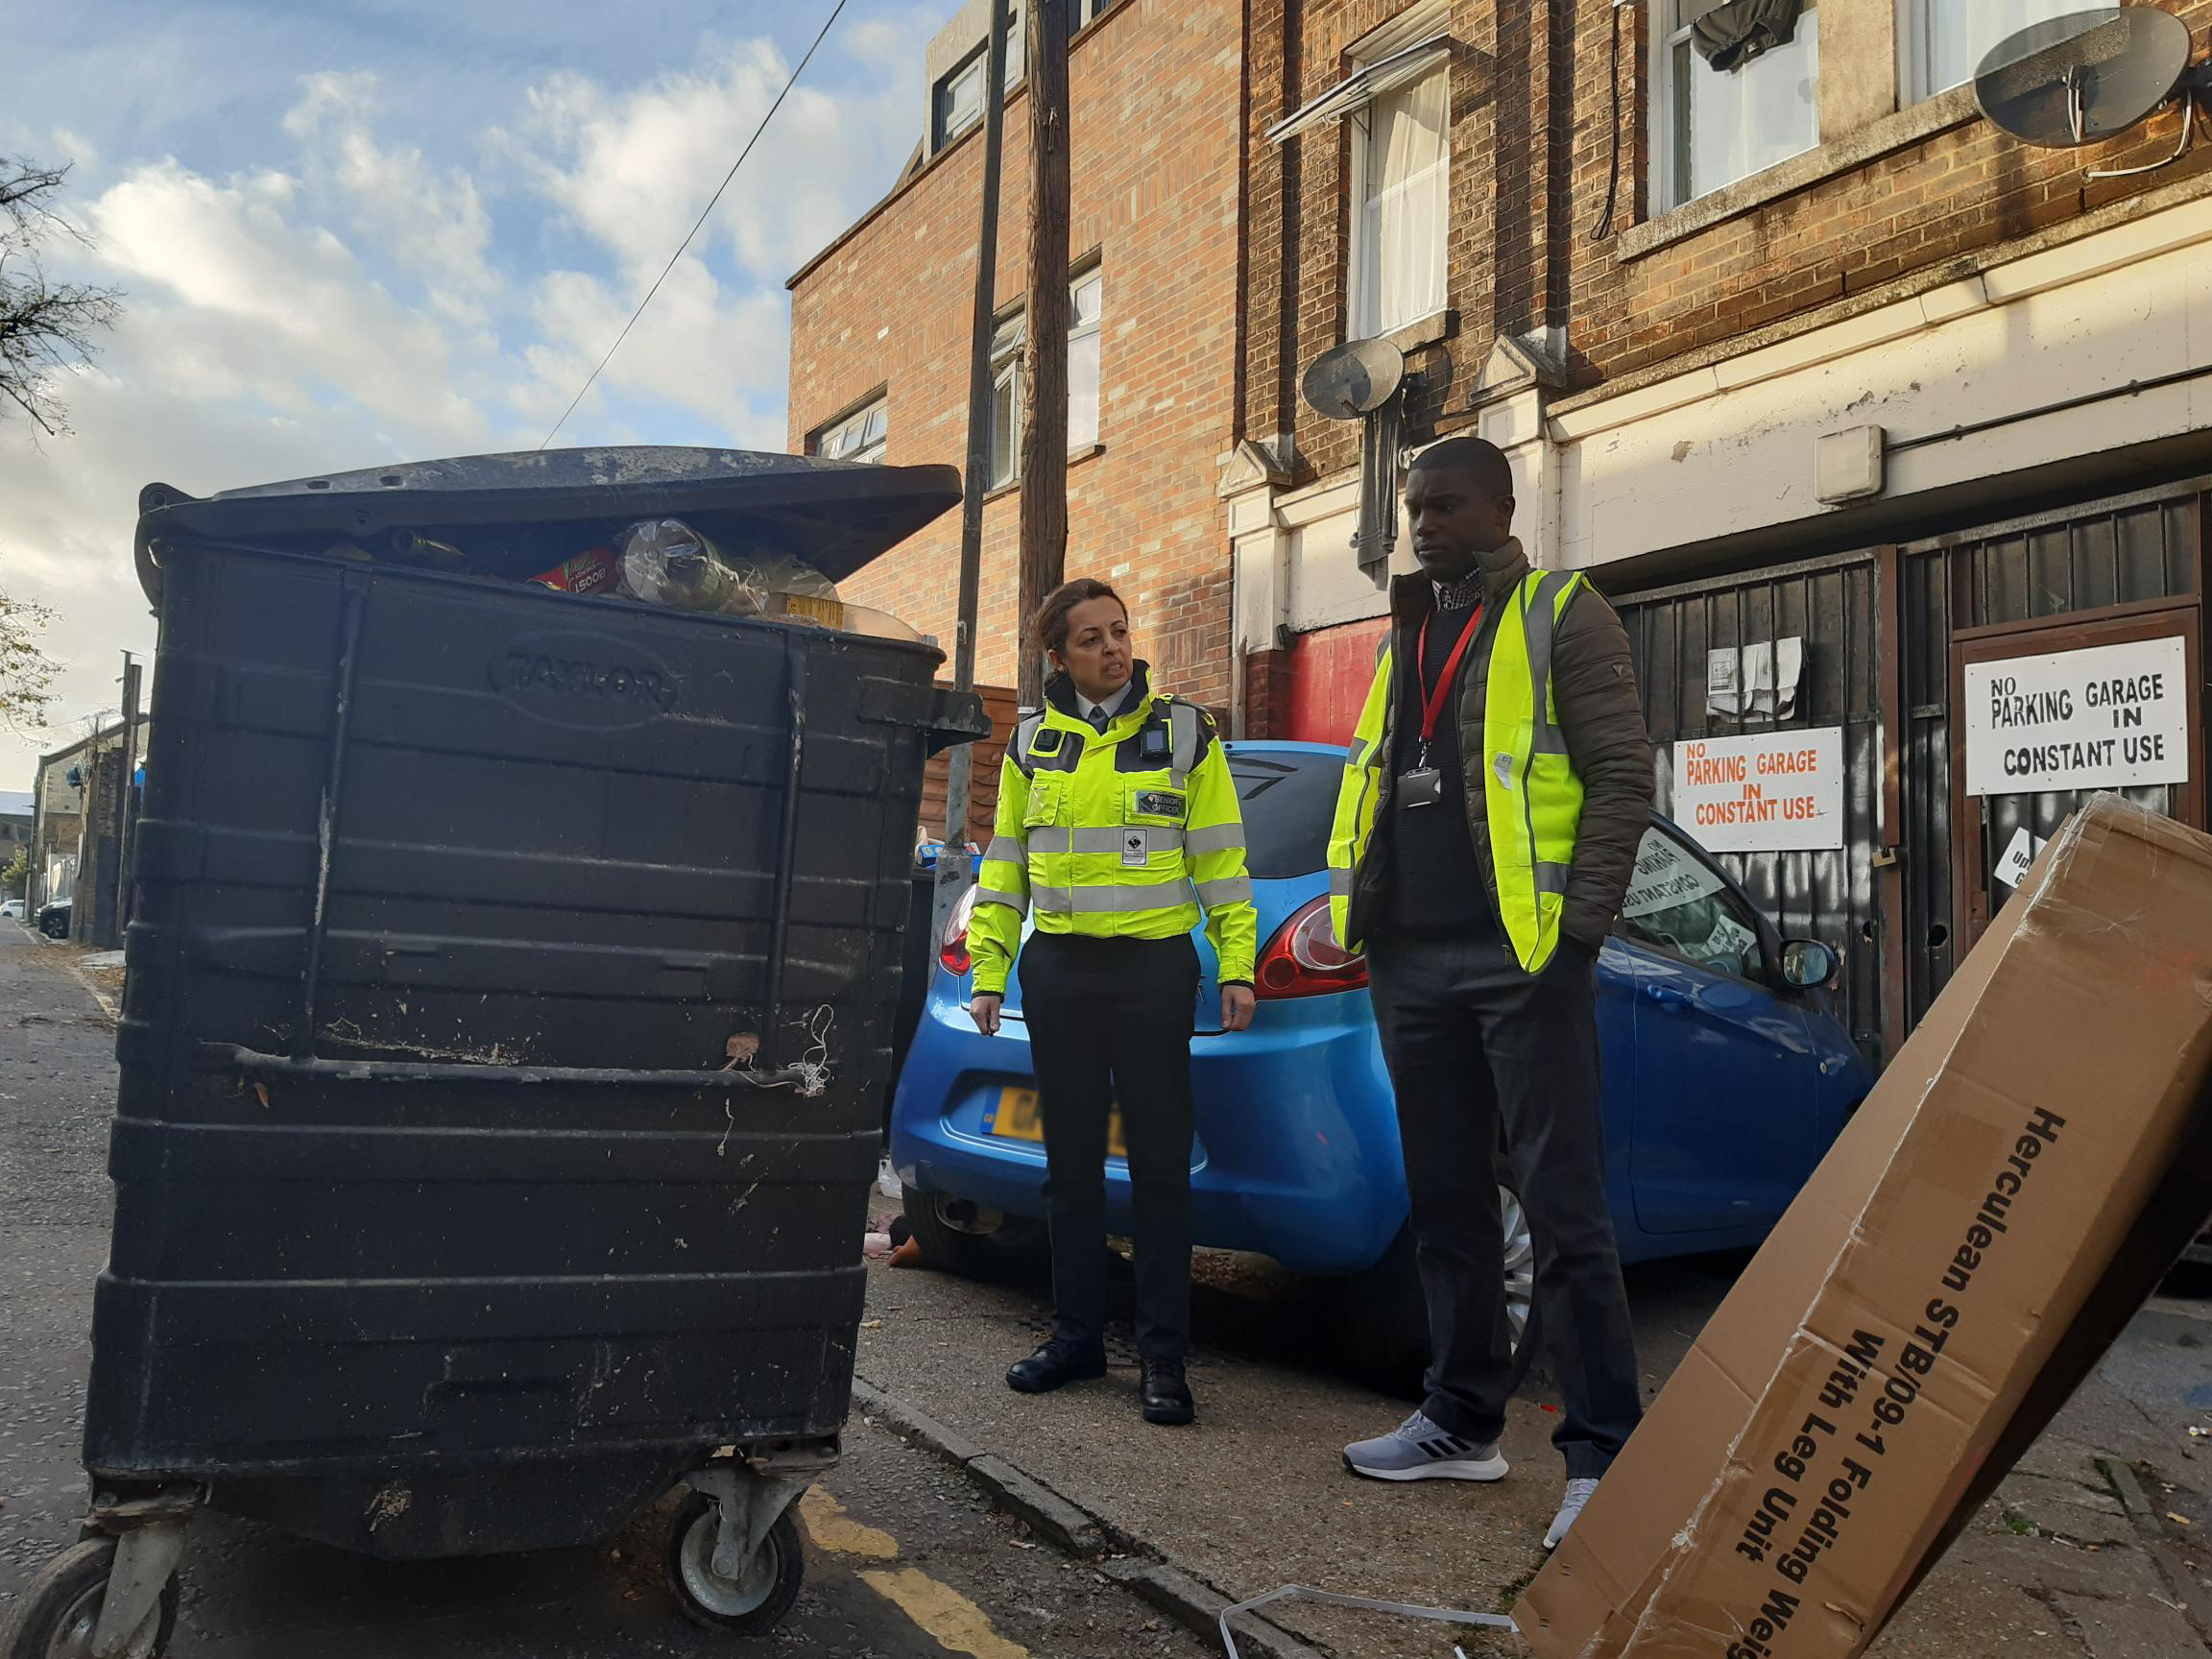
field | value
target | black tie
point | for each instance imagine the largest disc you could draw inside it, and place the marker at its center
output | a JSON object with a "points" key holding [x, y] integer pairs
{"points": [[1098, 718]]}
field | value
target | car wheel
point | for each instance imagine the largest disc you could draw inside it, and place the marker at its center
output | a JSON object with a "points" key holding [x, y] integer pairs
{"points": [[961, 1237], [1386, 1317]]}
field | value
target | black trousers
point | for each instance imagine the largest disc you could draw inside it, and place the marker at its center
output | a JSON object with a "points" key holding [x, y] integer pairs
{"points": [[1110, 1021], [1478, 1047]]}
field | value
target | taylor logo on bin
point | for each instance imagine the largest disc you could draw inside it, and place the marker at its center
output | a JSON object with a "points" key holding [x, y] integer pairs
{"points": [[578, 680]]}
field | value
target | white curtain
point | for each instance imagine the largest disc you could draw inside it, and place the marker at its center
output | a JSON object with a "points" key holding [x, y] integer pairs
{"points": [[1747, 120], [1084, 312], [1406, 211], [1957, 32]]}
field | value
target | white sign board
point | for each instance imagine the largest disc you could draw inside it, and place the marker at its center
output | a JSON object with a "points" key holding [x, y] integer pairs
{"points": [[2109, 717], [2019, 854], [1775, 792]]}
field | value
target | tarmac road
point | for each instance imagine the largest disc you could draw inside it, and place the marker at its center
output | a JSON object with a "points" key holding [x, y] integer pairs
{"points": [[906, 1560]]}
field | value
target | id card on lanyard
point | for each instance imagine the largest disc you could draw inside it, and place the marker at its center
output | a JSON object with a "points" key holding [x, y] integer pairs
{"points": [[1424, 785]]}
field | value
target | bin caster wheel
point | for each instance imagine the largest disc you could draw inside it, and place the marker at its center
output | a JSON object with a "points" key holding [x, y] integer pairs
{"points": [[748, 1605], [60, 1609]]}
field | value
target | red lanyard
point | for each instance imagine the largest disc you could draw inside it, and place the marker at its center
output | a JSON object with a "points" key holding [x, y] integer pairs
{"points": [[1433, 702]]}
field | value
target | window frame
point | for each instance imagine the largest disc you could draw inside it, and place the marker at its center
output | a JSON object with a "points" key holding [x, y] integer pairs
{"points": [[1671, 182], [857, 415], [1916, 53], [1362, 276], [944, 136], [1009, 347]]}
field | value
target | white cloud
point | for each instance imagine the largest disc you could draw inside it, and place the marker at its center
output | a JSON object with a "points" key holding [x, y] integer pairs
{"points": [[633, 169], [428, 219], [329, 278], [238, 298]]}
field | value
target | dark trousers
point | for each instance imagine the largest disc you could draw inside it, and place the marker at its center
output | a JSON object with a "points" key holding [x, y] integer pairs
{"points": [[1110, 1021], [1478, 1049]]}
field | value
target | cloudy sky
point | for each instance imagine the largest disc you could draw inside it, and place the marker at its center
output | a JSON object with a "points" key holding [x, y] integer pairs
{"points": [[353, 231]]}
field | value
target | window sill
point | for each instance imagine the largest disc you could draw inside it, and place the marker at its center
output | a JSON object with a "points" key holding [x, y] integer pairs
{"points": [[1076, 458], [1433, 330], [1847, 154]]}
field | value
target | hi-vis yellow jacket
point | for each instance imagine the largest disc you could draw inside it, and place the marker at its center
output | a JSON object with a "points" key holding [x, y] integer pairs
{"points": [[1125, 834], [1531, 797]]}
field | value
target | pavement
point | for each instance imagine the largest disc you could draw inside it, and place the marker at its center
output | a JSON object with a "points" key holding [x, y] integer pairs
{"points": [[2090, 1551], [907, 1558], [969, 1520]]}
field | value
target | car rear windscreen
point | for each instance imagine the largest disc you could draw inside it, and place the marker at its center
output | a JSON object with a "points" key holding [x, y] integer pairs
{"points": [[1289, 801]]}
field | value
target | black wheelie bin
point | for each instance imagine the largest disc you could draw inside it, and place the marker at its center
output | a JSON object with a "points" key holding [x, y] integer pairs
{"points": [[510, 994]]}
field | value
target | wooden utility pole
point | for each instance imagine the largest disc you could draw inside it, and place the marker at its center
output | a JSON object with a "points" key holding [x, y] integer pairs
{"points": [[952, 868], [1045, 368]]}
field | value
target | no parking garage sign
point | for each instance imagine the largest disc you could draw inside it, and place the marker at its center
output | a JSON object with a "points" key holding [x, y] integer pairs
{"points": [[2107, 718]]}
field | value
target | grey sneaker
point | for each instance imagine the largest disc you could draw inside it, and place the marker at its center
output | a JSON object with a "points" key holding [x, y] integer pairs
{"points": [[1419, 1450], [1578, 1491]]}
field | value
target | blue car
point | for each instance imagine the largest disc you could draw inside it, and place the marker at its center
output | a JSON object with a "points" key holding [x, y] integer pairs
{"points": [[1726, 1077]]}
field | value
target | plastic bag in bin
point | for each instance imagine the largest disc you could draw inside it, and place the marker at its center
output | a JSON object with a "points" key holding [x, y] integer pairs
{"points": [[666, 561]]}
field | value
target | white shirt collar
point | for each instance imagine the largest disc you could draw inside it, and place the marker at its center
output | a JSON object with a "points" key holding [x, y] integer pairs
{"points": [[1113, 704]]}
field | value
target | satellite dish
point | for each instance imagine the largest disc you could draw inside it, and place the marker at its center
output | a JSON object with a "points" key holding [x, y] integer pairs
{"points": [[2086, 78], [1357, 378]]}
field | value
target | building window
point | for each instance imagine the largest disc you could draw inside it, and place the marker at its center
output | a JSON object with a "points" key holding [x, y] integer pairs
{"points": [[1006, 398], [1085, 306], [1941, 43], [959, 101], [1737, 91], [1086, 314], [1398, 104], [1402, 157], [1081, 12], [864, 435]]}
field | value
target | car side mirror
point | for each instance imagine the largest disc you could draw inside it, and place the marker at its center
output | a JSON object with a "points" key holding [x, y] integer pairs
{"points": [[1806, 964]]}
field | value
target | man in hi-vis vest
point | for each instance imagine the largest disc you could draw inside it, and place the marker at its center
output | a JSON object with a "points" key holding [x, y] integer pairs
{"points": [[1497, 787]]}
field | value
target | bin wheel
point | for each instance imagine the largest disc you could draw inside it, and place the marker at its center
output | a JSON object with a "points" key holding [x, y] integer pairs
{"points": [[750, 1604], [58, 1611]]}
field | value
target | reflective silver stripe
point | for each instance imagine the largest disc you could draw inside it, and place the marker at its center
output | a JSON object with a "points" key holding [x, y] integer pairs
{"points": [[1158, 838], [1013, 901], [1552, 879], [1005, 849], [1339, 883], [1221, 838], [1183, 727], [1228, 890], [1540, 623], [1361, 748], [1024, 733], [1101, 901]]}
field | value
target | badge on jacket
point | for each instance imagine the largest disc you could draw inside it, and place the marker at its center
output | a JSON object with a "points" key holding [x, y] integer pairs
{"points": [[1160, 804], [1136, 850]]}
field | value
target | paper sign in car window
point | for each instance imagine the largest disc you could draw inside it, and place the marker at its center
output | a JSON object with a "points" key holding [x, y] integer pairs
{"points": [[1666, 878]]}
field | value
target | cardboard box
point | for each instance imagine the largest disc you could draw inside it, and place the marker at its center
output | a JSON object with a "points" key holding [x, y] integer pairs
{"points": [[2029, 1166]]}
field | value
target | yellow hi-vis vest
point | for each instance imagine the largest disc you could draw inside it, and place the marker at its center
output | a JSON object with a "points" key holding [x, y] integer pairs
{"points": [[1134, 832], [1532, 799]]}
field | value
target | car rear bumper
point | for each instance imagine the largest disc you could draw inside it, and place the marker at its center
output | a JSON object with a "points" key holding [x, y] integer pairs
{"points": [[1296, 1156]]}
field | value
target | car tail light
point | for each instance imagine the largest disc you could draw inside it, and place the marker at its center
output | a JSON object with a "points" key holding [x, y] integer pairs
{"points": [[952, 949], [1304, 960]]}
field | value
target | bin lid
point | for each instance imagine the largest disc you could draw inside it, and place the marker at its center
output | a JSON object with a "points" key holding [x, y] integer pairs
{"points": [[548, 505]]}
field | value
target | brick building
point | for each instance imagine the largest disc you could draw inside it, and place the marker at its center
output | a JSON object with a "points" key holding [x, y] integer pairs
{"points": [[881, 328], [1842, 395]]}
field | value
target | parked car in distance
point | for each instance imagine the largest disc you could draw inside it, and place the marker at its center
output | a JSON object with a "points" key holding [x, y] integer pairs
{"points": [[1726, 1077], [11, 908], [54, 917]]}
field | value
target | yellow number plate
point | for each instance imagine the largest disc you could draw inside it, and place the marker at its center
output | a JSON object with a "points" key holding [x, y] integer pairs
{"points": [[1016, 1117]]}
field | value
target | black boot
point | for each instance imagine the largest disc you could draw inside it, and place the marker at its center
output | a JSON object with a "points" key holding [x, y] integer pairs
{"points": [[1165, 1393], [1054, 1365]]}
